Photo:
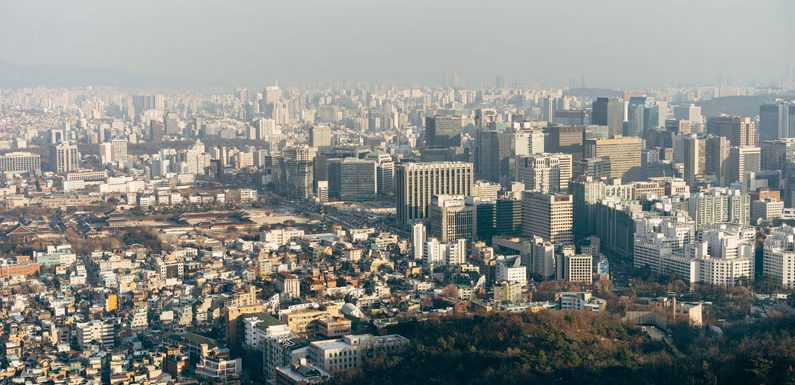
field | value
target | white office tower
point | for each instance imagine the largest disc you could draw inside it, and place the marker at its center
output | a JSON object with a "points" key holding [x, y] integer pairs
{"points": [[527, 143], [451, 219], [433, 253], [542, 258], [417, 183], [544, 172], [510, 269], [548, 216], [723, 255], [64, 157], [418, 240], [778, 263], [436, 253]]}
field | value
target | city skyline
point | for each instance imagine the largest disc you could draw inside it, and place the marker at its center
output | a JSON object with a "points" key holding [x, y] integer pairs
{"points": [[203, 43]]}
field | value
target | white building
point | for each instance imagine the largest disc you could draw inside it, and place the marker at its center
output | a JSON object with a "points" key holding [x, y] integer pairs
{"points": [[510, 269], [349, 352], [779, 257]]}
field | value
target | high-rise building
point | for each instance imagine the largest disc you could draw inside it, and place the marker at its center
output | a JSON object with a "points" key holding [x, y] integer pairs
{"points": [[295, 178], [742, 160], [548, 216], [443, 130], [778, 263], [320, 136], [493, 152], [692, 114], [716, 157], [416, 183], [565, 139], [20, 162], [777, 120], [575, 267], [385, 172], [119, 150], [544, 172], [592, 167], [155, 131], [418, 237], [694, 149], [740, 131], [352, 179], [624, 155], [719, 205], [609, 112], [636, 108], [451, 219], [64, 157], [171, 124]]}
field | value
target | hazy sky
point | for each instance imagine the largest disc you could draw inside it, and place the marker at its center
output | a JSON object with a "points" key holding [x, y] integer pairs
{"points": [[614, 43]]}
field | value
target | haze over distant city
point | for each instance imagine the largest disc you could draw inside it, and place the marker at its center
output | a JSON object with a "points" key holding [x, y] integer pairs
{"points": [[617, 43]]}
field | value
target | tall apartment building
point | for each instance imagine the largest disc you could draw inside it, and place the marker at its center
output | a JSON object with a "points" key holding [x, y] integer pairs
{"points": [[624, 155], [417, 183], [544, 172], [609, 112], [451, 219], [548, 216], [20, 162], [719, 205], [64, 157]]}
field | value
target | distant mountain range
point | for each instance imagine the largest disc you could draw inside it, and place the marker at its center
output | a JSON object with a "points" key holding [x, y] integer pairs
{"points": [[18, 76]]}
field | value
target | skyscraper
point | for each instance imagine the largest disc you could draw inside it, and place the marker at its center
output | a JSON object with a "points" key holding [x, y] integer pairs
{"points": [[777, 120], [452, 219], [741, 161], [739, 131], [352, 179], [416, 183], [694, 157], [716, 157], [544, 172], [119, 150], [624, 155], [609, 112], [320, 136], [548, 216], [64, 157], [493, 153], [443, 130]]}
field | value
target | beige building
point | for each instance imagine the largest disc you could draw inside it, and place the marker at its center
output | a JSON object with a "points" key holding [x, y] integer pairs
{"points": [[548, 216], [417, 183], [624, 155], [545, 172]]}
